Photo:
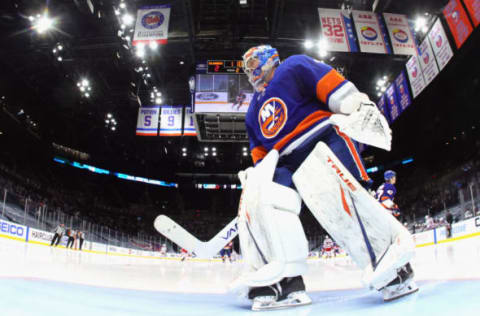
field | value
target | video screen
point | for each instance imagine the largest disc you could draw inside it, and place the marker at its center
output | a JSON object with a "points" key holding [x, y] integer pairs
{"points": [[222, 93]]}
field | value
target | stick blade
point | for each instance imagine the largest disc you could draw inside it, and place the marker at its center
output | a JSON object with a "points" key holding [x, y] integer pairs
{"points": [[176, 233]]}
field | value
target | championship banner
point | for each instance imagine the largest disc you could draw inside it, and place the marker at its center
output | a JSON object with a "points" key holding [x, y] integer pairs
{"points": [[393, 108], [337, 30], [383, 108], [147, 122], [401, 35], [403, 93], [152, 24], [473, 7], [171, 121], [440, 45], [427, 61], [417, 82], [371, 36], [189, 126], [458, 22]]}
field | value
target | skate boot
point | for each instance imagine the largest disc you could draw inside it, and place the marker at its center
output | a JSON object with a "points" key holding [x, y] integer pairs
{"points": [[402, 285], [289, 292]]}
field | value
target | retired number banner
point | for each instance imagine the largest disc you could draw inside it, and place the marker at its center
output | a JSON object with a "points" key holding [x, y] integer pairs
{"points": [[427, 61], [152, 24], [337, 30], [147, 122], [415, 75], [403, 94], [401, 35], [189, 125], [171, 120], [392, 103], [370, 33], [458, 22], [440, 45], [473, 7], [383, 108]]}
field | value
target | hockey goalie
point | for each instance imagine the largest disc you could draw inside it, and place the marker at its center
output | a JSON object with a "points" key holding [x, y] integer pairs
{"points": [[303, 123]]}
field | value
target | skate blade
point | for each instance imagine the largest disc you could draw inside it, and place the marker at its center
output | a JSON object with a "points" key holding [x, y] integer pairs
{"points": [[401, 295], [287, 303]]}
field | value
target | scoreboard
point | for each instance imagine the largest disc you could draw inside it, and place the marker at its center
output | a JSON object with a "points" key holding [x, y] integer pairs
{"points": [[225, 67]]}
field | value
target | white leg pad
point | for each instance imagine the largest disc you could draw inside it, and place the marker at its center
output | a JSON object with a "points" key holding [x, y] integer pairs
{"points": [[349, 214], [272, 239]]}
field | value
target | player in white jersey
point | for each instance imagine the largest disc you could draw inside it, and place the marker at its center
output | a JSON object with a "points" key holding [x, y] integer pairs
{"points": [[163, 250], [327, 249]]}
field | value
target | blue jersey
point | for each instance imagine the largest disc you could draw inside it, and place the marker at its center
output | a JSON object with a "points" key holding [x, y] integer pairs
{"points": [[302, 94], [385, 195]]}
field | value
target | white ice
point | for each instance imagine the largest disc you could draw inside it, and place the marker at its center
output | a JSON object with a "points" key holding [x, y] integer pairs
{"points": [[39, 280]]}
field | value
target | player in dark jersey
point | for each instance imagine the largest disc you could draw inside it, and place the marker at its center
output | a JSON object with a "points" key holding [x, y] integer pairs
{"points": [[302, 107], [386, 193], [227, 252]]}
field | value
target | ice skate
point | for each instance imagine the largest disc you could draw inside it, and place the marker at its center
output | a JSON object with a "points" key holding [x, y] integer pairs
{"points": [[289, 292], [401, 286]]}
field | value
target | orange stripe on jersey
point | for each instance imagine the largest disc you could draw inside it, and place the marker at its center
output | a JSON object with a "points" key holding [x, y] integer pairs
{"points": [[305, 124], [353, 151], [258, 153], [344, 202], [327, 84], [384, 198]]}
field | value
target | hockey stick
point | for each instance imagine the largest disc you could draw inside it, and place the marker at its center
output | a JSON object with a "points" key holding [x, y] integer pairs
{"points": [[179, 235]]}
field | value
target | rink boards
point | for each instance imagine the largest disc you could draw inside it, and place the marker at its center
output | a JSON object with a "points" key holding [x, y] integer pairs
{"points": [[461, 230]]}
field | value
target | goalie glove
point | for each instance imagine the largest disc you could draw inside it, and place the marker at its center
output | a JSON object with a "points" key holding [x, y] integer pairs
{"points": [[366, 125]]}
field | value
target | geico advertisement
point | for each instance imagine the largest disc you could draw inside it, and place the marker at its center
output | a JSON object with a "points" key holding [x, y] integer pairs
{"points": [[12, 229], [40, 235]]}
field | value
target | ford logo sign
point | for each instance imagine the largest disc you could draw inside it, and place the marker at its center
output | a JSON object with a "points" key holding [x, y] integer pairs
{"points": [[207, 96]]}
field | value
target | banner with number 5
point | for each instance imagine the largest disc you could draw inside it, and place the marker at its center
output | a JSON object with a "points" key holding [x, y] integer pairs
{"points": [[147, 122], [171, 120], [337, 30]]}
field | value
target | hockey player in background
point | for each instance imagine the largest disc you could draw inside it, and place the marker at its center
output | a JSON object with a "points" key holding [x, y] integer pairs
{"points": [[227, 252], [163, 250], [299, 125], [327, 249], [386, 193]]}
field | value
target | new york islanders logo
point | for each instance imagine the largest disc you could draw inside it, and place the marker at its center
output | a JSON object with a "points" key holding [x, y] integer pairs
{"points": [[152, 20], [272, 117]]}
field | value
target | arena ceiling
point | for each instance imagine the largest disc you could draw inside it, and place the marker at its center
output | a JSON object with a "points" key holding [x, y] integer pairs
{"points": [[41, 92]]}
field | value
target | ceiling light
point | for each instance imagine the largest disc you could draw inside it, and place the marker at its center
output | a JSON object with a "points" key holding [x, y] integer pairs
{"points": [[214, 154], [420, 22], [117, 12], [87, 95], [184, 149], [109, 115], [113, 128], [122, 5], [184, 154], [244, 153], [182, 62], [59, 58], [85, 82], [206, 154], [54, 50], [153, 45], [43, 24], [244, 148], [107, 121], [82, 89], [127, 19], [308, 44], [60, 47], [379, 94], [214, 149], [140, 52], [206, 148], [159, 94], [158, 100]]}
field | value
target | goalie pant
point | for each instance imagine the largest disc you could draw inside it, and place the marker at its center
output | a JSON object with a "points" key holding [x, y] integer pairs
{"points": [[343, 146]]}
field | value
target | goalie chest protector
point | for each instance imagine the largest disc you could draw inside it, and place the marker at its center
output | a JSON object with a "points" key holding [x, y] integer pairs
{"points": [[295, 101]]}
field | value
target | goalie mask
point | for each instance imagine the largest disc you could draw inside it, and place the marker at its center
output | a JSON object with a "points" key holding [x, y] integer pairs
{"points": [[258, 63]]}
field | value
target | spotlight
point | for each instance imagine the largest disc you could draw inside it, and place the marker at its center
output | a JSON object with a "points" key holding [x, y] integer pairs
{"points": [[153, 45], [127, 19], [158, 100], [308, 44], [43, 24]]}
